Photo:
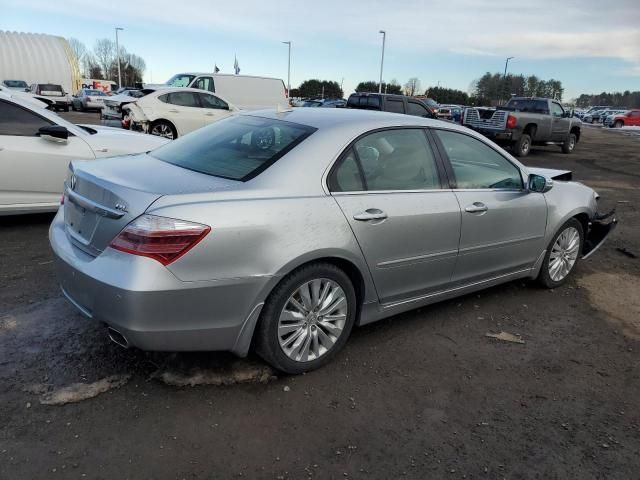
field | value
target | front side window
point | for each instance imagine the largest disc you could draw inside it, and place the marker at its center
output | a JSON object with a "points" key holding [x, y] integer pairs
{"points": [[183, 99], [556, 110], [204, 83], [211, 101], [418, 110], [476, 165], [237, 148], [15, 120], [388, 160]]}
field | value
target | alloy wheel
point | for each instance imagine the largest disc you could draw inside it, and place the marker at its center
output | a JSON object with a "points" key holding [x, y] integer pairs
{"points": [[312, 320], [564, 254], [162, 130]]}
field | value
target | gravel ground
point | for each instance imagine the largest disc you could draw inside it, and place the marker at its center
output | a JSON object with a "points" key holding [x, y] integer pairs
{"points": [[422, 395]]}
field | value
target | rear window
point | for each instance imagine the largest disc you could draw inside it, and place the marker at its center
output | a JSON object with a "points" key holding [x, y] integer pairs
{"points": [[16, 84], [369, 102], [49, 87], [236, 148]]}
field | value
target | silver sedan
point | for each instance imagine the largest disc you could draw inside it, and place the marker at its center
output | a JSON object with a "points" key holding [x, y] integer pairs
{"points": [[282, 230]]}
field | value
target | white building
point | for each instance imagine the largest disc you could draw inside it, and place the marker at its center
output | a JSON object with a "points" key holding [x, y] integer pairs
{"points": [[38, 58]]}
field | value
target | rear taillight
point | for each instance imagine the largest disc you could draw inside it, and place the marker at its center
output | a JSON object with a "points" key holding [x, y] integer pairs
{"points": [[511, 121], [161, 238]]}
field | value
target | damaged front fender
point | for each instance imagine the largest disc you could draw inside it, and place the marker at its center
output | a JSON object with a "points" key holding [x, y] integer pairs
{"points": [[599, 229]]}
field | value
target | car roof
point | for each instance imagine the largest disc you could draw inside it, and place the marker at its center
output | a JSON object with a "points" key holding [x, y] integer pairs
{"points": [[357, 118]]}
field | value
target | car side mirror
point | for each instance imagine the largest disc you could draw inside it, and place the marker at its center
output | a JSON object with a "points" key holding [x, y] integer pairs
{"points": [[539, 183], [54, 133]]}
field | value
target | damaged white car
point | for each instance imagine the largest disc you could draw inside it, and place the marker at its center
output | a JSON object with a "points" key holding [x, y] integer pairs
{"points": [[173, 112]]}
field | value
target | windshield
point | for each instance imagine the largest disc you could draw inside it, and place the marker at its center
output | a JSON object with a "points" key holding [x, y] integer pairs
{"points": [[16, 84], [237, 148], [180, 80]]}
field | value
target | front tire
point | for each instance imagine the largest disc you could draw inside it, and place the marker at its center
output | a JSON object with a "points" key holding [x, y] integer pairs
{"points": [[307, 318], [563, 254], [523, 146], [570, 143], [618, 124]]}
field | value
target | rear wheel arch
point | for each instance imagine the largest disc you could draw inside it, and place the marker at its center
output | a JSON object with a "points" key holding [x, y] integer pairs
{"points": [[531, 129]]}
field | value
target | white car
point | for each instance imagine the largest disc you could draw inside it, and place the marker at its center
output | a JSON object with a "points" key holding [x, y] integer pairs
{"points": [[173, 112], [36, 146], [30, 98]]}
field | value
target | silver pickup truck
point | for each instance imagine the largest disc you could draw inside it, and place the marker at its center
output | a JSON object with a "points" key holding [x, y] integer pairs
{"points": [[526, 121]]}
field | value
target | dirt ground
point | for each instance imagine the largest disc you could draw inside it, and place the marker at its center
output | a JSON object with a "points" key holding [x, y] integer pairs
{"points": [[422, 395]]}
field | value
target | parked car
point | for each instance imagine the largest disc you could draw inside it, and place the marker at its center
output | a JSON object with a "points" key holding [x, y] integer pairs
{"points": [[390, 103], [630, 118], [19, 85], [87, 99], [284, 230], [527, 121], [57, 96], [113, 105], [33, 100], [607, 116], [593, 114], [173, 112], [36, 146], [325, 103], [244, 91], [449, 112]]}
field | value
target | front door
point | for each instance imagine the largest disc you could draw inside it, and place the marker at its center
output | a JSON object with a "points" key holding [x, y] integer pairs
{"points": [[33, 169], [389, 188], [503, 224], [560, 124]]}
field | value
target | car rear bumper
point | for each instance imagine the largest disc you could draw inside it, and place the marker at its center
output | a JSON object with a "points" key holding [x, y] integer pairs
{"points": [[497, 135], [151, 308]]}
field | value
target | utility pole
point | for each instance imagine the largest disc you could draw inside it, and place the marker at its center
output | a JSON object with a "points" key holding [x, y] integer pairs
{"points": [[118, 54], [384, 36], [288, 42]]}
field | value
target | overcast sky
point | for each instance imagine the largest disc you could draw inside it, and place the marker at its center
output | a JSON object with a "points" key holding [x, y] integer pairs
{"points": [[590, 45]]}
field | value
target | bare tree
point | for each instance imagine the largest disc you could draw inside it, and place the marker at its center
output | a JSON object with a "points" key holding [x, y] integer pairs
{"points": [[78, 49], [412, 86], [104, 51]]}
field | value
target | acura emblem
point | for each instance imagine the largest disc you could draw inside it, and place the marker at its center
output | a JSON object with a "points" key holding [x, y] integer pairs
{"points": [[72, 181]]}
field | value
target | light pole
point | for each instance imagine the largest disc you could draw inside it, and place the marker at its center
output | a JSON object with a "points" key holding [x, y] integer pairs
{"points": [[288, 42], [504, 77], [118, 54], [384, 36]]}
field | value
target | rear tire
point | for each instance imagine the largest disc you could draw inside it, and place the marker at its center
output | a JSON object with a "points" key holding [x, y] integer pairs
{"points": [[320, 329], [555, 271], [618, 124], [522, 147], [163, 128], [570, 143]]}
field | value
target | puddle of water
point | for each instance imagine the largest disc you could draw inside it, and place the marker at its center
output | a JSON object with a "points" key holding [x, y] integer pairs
{"points": [[617, 296]]}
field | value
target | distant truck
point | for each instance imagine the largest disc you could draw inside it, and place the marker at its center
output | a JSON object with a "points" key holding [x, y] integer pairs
{"points": [[526, 121]]}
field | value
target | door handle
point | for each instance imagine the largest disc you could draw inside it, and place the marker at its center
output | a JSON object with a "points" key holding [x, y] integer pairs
{"points": [[174, 111], [370, 214], [476, 207], [210, 114]]}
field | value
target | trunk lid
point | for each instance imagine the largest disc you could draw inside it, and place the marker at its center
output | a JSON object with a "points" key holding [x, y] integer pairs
{"points": [[103, 196]]}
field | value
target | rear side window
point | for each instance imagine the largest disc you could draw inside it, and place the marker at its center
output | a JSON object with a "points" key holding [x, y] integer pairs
{"points": [[164, 98], [373, 103], [183, 99], [528, 105], [18, 121], [394, 105], [237, 148], [387, 160], [211, 101], [476, 165]]}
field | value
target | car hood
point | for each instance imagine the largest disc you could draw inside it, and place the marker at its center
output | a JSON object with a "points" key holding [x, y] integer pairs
{"points": [[116, 141], [551, 173]]}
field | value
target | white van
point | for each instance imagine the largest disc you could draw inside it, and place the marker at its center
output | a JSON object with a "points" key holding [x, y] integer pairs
{"points": [[244, 91]]}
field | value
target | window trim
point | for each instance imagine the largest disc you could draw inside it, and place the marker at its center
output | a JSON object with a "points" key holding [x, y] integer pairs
{"points": [[442, 175], [451, 173], [49, 121]]}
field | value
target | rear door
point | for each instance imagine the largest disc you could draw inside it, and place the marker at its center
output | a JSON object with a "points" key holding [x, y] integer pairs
{"points": [[560, 124], [32, 169], [213, 108], [503, 224], [183, 110], [406, 221]]}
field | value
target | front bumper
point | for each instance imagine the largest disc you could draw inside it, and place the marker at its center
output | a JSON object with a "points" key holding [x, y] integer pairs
{"points": [[599, 230], [151, 308]]}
